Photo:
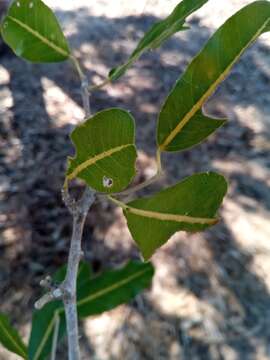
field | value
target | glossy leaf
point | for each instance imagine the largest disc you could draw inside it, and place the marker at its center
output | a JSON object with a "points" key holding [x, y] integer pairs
{"points": [[207, 70], [190, 205], [105, 151], [159, 33], [10, 338], [43, 321], [32, 31], [113, 287]]}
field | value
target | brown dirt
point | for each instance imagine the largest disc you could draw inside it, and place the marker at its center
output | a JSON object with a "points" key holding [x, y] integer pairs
{"points": [[210, 296]]}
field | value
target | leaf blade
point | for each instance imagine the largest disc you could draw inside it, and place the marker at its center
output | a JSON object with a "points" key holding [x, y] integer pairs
{"points": [[207, 70], [113, 288], [190, 205], [33, 32], [159, 33], [10, 338], [105, 149]]}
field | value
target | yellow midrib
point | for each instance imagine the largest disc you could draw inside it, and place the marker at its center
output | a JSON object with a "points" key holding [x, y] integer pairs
{"points": [[94, 159], [111, 288], [19, 349], [171, 217], [81, 302], [39, 36], [46, 336], [197, 106]]}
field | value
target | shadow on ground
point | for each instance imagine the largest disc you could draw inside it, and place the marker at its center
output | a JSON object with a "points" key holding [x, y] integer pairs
{"points": [[212, 268]]}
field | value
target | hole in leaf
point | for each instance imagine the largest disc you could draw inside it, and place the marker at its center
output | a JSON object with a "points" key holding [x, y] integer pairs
{"points": [[107, 182]]}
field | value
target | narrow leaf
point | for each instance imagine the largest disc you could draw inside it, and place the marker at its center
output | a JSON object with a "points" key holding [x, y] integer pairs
{"points": [[113, 288], [10, 338], [159, 33], [190, 205], [105, 151], [207, 70], [43, 321], [33, 32]]}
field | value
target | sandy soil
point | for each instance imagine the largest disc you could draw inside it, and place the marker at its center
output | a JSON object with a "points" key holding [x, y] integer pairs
{"points": [[210, 296]]}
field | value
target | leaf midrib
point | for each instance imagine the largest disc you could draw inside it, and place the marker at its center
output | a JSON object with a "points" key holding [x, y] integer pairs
{"points": [[112, 287], [20, 350], [92, 297], [94, 159], [170, 217], [39, 36], [197, 106]]}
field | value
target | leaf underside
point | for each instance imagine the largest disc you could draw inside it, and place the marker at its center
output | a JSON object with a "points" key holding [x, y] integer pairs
{"points": [[190, 205], [33, 32], [177, 125]]}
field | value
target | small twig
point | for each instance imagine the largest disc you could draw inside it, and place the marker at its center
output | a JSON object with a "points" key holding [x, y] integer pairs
{"points": [[55, 336], [99, 86], [55, 294], [148, 182]]}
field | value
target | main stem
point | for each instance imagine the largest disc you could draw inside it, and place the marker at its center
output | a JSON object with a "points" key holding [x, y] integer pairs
{"points": [[70, 283], [79, 211]]}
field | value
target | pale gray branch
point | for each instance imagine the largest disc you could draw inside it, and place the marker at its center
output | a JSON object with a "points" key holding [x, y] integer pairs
{"points": [[67, 290]]}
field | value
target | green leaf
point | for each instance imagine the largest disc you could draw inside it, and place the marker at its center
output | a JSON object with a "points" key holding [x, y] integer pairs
{"points": [[43, 321], [196, 130], [159, 33], [190, 205], [207, 70], [95, 295], [105, 151], [113, 287], [33, 32], [10, 338]]}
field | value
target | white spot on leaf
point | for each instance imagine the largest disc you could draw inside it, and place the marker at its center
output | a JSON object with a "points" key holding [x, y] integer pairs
{"points": [[107, 182], [31, 5], [18, 3]]}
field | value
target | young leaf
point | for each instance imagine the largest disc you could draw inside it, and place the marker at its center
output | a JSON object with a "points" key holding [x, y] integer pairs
{"points": [[105, 151], [207, 70], [10, 338], [113, 287], [33, 32], [159, 33], [44, 320], [190, 205]]}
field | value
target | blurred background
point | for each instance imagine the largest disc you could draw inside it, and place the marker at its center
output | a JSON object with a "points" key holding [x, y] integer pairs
{"points": [[210, 295]]}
